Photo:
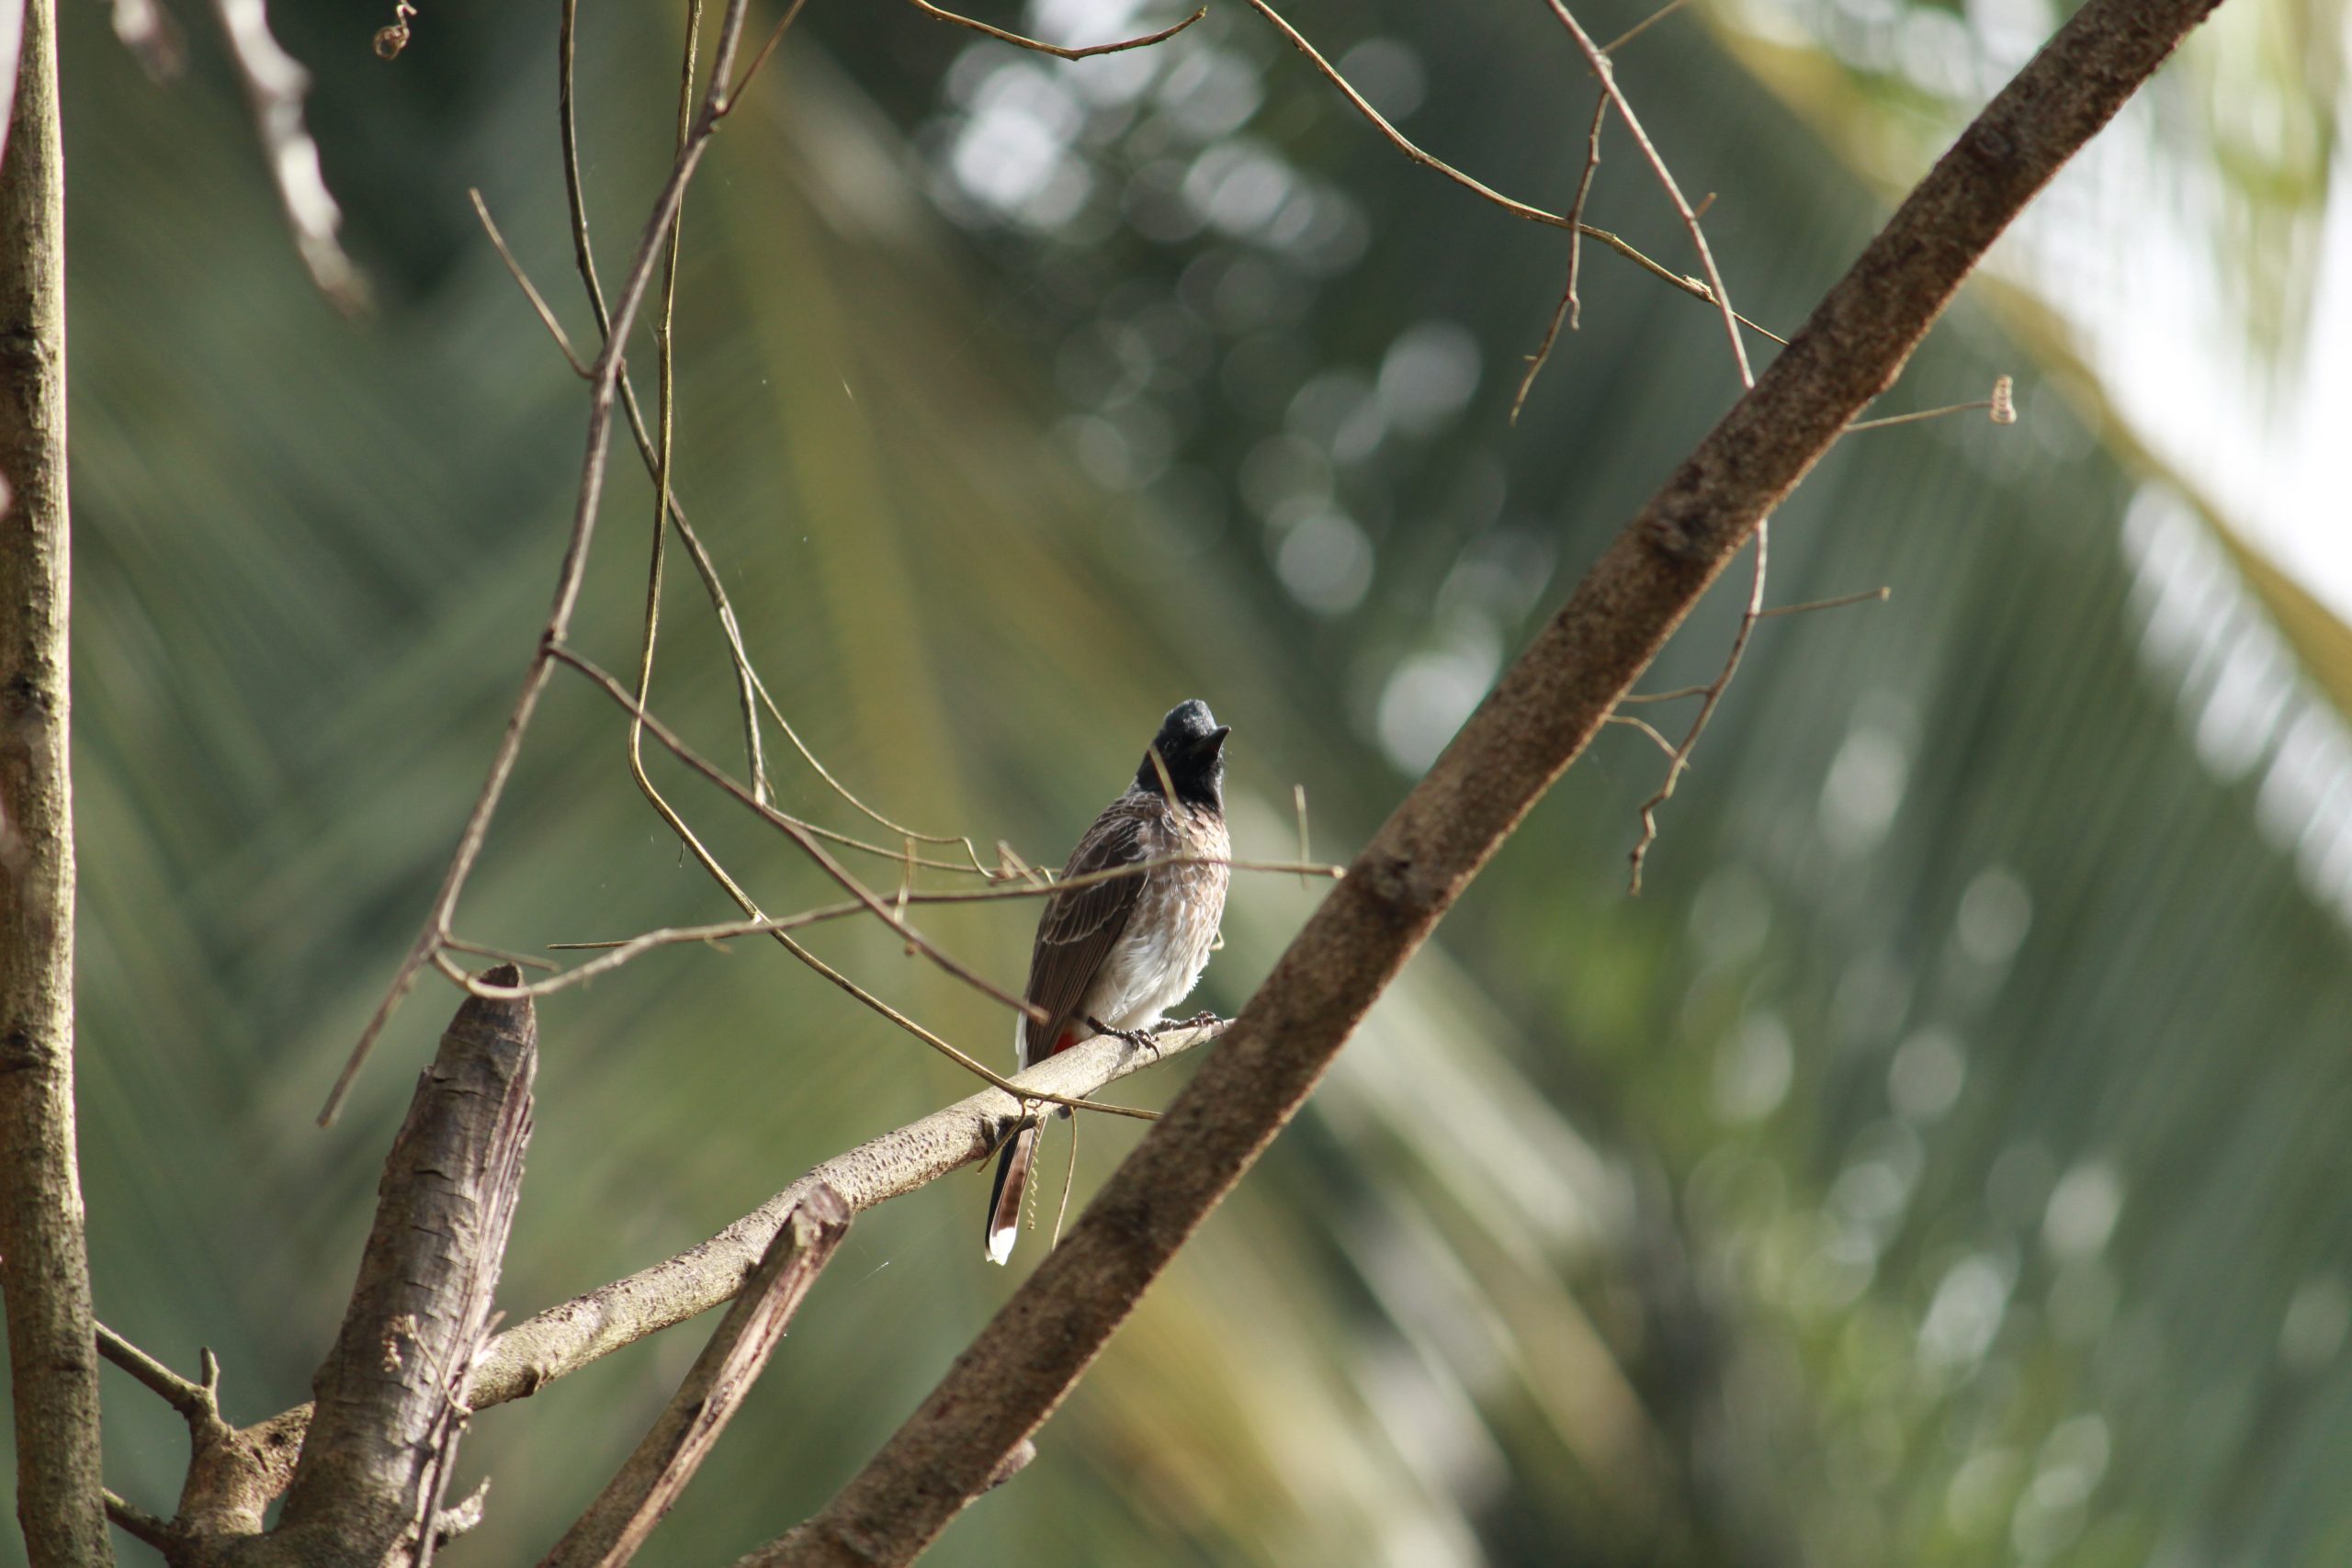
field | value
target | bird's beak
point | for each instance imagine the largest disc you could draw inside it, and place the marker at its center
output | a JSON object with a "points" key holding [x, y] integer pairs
{"points": [[1216, 739]]}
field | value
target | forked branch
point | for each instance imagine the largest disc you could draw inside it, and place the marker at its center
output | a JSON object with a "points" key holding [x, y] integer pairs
{"points": [[565, 1338]]}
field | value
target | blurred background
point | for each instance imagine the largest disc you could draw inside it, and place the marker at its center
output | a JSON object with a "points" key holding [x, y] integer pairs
{"points": [[1941, 1161]]}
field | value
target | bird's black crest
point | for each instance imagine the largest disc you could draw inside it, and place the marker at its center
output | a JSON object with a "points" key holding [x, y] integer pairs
{"points": [[1191, 744]]}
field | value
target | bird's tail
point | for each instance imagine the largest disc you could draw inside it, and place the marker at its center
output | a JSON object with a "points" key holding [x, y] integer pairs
{"points": [[1004, 1203]]}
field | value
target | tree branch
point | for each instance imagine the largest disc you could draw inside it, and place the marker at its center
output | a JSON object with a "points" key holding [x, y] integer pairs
{"points": [[1537, 720], [192, 1400], [625, 1512], [565, 1338], [44, 1256], [389, 1394]]}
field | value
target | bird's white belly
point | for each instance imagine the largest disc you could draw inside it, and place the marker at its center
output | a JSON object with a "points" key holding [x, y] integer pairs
{"points": [[1149, 972], [1142, 976]]}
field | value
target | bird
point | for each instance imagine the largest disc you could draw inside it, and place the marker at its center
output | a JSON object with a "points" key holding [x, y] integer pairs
{"points": [[1112, 956]]}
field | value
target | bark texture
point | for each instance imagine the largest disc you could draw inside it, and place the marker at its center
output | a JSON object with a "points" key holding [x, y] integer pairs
{"points": [[1545, 709], [389, 1403], [44, 1262]]}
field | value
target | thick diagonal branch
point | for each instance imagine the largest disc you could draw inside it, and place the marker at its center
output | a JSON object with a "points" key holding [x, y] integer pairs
{"points": [[44, 1258], [1541, 715], [389, 1395]]}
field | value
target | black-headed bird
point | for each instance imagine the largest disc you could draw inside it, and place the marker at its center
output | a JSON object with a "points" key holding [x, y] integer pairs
{"points": [[1113, 955]]}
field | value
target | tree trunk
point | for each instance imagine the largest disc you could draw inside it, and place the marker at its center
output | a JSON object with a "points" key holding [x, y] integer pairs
{"points": [[44, 1264]]}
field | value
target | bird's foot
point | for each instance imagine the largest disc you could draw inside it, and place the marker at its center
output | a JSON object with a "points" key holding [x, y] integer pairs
{"points": [[1202, 1020], [1140, 1039]]}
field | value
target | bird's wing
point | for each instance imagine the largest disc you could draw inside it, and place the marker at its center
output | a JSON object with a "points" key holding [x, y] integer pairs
{"points": [[1080, 924]]}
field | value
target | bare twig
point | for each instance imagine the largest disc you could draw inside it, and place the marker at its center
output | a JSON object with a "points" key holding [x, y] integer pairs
{"points": [[1867, 596], [530, 292], [1678, 757], [604, 378], [1040, 887], [1405, 144], [192, 1400], [233, 1473], [617, 1523], [44, 1251], [1644, 25], [1299, 799], [801, 834], [2003, 411], [866, 896], [1660, 741], [760, 61], [584, 256], [875, 903], [1056, 50], [751, 690], [1069, 1180], [274, 85], [1539, 717], [140, 1524], [665, 405], [1570, 308], [1597, 59], [838, 788], [482, 950]]}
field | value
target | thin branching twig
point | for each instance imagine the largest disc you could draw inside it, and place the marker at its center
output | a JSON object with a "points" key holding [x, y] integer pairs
{"points": [[1660, 741], [1056, 50], [751, 690], [1570, 309], [1597, 59], [1405, 144], [2001, 404], [619, 950], [872, 901], [1644, 25], [1868, 595], [1678, 757], [603, 381], [530, 291]]}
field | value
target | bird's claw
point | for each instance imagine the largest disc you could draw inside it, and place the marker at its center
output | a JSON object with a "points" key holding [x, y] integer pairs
{"points": [[1201, 1019], [1140, 1039]]}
